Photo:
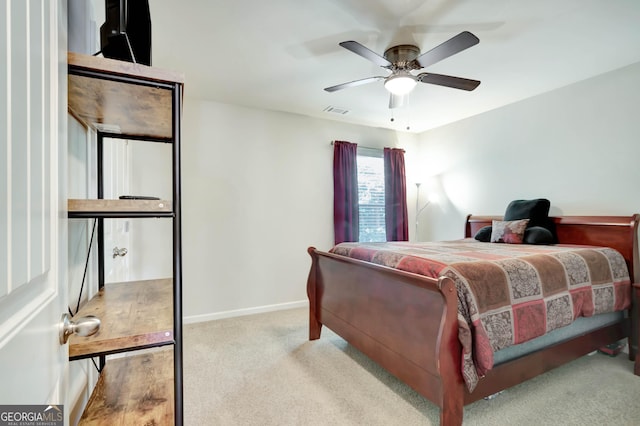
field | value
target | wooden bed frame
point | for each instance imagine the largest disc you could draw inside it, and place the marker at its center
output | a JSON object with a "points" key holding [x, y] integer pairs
{"points": [[408, 323]]}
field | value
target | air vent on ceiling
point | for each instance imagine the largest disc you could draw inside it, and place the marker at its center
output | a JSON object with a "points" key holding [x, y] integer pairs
{"points": [[336, 110]]}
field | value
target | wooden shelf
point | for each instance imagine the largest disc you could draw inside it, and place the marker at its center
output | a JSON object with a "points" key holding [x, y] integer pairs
{"points": [[134, 315], [121, 97], [133, 390], [119, 208]]}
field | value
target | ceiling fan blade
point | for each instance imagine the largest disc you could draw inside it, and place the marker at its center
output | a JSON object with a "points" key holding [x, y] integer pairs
{"points": [[454, 45], [447, 80], [396, 101], [359, 49], [353, 83]]}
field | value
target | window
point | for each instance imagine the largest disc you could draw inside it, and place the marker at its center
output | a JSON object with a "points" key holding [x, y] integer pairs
{"points": [[371, 195]]}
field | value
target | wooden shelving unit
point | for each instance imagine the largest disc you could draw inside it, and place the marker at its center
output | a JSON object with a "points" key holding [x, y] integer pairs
{"points": [[122, 100]]}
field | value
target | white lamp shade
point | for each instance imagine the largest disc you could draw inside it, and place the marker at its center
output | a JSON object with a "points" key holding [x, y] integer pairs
{"points": [[400, 84]]}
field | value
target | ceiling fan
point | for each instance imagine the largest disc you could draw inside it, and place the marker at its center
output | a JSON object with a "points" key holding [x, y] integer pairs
{"points": [[403, 59]]}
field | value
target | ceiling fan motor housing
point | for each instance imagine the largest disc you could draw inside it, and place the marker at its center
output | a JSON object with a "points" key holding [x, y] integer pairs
{"points": [[403, 56]]}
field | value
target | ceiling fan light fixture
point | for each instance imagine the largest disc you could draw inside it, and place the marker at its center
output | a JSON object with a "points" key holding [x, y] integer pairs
{"points": [[400, 84]]}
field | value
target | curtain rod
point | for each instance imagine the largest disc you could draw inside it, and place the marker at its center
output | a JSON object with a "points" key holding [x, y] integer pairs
{"points": [[368, 147]]}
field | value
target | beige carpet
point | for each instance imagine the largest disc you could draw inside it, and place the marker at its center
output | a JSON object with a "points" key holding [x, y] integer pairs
{"points": [[262, 370]]}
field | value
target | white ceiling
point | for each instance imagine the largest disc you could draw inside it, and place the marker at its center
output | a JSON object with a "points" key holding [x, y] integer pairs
{"points": [[280, 54]]}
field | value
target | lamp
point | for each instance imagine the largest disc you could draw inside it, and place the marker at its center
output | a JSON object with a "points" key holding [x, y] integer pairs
{"points": [[400, 83]]}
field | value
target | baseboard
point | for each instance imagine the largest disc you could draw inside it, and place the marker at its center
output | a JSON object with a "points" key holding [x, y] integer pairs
{"points": [[191, 319]]}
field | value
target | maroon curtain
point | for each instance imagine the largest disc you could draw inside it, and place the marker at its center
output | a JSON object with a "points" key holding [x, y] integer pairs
{"points": [[395, 195], [345, 192]]}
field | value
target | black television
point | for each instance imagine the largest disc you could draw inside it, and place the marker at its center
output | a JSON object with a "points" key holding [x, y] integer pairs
{"points": [[126, 32]]}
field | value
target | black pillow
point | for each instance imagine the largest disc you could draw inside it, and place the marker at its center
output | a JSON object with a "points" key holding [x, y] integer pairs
{"points": [[484, 234], [537, 211], [538, 235]]}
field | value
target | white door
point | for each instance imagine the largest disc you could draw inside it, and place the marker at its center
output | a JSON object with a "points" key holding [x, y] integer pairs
{"points": [[33, 296], [117, 181]]}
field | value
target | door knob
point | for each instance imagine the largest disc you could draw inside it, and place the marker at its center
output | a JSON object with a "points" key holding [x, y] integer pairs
{"points": [[119, 252], [84, 326]]}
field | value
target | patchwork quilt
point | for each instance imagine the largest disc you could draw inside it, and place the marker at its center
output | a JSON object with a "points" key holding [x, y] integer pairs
{"points": [[509, 293]]}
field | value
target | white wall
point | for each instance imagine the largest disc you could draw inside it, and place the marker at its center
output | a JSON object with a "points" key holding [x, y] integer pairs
{"points": [[257, 192], [578, 146]]}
